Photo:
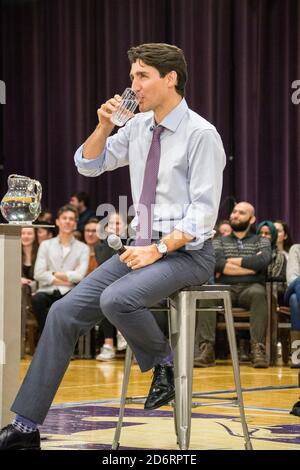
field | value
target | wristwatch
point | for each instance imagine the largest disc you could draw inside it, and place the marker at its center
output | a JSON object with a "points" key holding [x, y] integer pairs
{"points": [[162, 248]]}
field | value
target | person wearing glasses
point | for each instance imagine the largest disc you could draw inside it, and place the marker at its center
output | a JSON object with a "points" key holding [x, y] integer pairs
{"points": [[92, 240]]}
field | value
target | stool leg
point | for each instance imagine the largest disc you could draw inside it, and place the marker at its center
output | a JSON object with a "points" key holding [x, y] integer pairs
{"points": [[80, 346], [127, 366], [235, 365], [182, 336], [87, 345]]}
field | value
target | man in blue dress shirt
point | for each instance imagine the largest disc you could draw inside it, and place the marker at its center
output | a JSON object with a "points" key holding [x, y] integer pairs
{"points": [[172, 252]]}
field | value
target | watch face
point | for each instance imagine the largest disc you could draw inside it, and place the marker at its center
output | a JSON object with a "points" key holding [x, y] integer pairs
{"points": [[162, 248]]}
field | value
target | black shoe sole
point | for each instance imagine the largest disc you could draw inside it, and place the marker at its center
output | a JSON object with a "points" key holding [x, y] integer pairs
{"points": [[166, 401]]}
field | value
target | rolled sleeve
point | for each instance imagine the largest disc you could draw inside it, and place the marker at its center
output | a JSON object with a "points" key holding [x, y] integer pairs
{"points": [[114, 155], [88, 167]]}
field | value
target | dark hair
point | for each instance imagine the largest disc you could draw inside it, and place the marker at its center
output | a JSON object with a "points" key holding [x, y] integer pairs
{"points": [[47, 226], [35, 247], [272, 229], [92, 220], [287, 243], [165, 58], [218, 225], [82, 197], [67, 208]]}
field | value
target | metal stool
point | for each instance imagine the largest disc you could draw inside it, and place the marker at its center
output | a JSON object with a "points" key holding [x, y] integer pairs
{"points": [[84, 346], [182, 319]]}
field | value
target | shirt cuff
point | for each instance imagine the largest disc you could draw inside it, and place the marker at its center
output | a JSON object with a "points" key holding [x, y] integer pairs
{"points": [[71, 275], [86, 164], [188, 227]]}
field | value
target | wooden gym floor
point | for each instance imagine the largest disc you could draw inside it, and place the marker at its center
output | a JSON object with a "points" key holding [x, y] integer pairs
{"points": [[85, 409]]}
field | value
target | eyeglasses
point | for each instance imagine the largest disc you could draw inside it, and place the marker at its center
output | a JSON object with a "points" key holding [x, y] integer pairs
{"points": [[90, 231]]}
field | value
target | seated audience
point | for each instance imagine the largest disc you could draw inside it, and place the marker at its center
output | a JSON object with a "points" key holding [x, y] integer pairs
{"points": [[241, 262], [277, 267], [223, 229], [81, 201], [45, 233], [29, 252], [92, 240], [292, 295], [284, 239], [61, 263], [44, 216], [116, 224]]}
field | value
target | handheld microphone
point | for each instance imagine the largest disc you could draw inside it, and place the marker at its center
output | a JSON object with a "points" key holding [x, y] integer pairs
{"points": [[115, 243]]}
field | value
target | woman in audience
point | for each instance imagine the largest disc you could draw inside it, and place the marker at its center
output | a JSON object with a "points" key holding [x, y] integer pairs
{"points": [[45, 233], [116, 224], [29, 251], [284, 240], [277, 267]]}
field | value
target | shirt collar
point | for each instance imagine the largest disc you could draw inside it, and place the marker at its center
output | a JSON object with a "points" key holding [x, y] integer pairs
{"points": [[174, 118], [72, 240], [248, 235]]}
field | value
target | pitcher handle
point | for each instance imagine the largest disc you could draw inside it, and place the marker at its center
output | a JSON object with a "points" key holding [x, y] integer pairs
{"points": [[38, 190]]}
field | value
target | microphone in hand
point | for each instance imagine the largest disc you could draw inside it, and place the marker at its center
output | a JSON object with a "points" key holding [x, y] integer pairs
{"points": [[115, 243]]}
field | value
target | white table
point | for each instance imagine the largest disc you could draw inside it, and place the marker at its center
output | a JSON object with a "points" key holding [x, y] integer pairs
{"points": [[10, 316]]}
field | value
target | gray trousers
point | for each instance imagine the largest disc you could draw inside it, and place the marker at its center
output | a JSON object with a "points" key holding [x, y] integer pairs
{"points": [[124, 297], [250, 296]]}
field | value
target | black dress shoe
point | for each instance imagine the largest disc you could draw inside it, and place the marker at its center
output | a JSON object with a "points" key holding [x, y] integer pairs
{"points": [[162, 389], [12, 439]]}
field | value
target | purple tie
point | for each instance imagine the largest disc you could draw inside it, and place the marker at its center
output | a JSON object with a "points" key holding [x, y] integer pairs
{"points": [[147, 198]]}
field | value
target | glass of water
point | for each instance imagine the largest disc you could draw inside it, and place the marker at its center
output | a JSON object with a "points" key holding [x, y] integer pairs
{"points": [[126, 108]]}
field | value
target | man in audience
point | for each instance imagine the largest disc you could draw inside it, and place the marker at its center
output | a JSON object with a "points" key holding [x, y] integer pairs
{"points": [[81, 202], [61, 264], [241, 261], [46, 232], [44, 216]]}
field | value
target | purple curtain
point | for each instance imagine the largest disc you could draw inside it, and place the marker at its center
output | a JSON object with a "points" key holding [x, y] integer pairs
{"points": [[60, 59]]}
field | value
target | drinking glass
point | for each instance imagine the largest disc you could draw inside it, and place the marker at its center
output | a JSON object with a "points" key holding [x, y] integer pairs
{"points": [[126, 108]]}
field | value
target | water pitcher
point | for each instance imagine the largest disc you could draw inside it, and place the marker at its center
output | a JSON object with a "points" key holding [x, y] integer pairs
{"points": [[22, 202]]}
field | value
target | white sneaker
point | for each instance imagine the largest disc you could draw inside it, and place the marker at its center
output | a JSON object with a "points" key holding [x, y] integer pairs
{"points": [[121, 342], [106, 354]]}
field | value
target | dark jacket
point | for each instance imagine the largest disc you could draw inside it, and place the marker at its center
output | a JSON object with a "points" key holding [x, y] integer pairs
{"points": [[254, 250], [103, 252]]}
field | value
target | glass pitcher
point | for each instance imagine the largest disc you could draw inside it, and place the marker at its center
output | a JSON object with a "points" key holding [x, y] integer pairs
{"points": [[22, 202]]}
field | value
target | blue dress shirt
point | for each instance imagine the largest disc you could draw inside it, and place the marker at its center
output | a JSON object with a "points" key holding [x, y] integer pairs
{"points": [[190, 174]]}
